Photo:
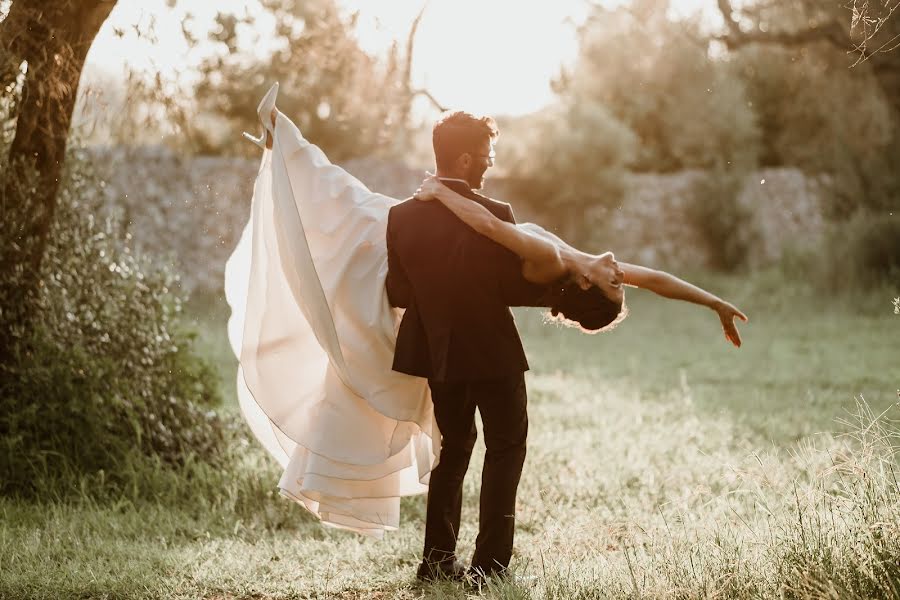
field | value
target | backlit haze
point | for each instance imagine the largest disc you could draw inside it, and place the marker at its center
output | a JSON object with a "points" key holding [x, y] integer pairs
{"points": [[486, 56]]}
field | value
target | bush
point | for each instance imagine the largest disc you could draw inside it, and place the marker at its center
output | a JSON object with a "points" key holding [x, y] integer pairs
{"points": [[106, 372], [873, 242], [863, 251], [817, 114], [567, 159], [726, 224]]}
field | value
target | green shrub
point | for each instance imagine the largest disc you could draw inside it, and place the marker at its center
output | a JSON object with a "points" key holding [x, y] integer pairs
{"points": [[862, 251], [565, 160], [107, 371], [874, 246], [816, 114], [726, 224]]}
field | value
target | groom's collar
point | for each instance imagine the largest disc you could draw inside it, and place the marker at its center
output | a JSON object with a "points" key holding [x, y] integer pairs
{"points": [[462, 181]]}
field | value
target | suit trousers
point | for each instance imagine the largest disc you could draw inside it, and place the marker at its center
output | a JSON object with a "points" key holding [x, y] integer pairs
{"points": [[503, 407]]}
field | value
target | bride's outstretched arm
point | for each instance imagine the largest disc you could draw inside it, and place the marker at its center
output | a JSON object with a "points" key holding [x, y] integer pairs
{"points": [[659, 282], [543, 261], [599, 269], [669, 286]]}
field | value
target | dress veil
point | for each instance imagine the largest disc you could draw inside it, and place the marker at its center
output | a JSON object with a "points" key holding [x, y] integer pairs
{"points": [[314, 335]]}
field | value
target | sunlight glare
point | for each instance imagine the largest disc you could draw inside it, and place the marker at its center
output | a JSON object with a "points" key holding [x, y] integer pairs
{"points": [[149, 36], [486, 56], [489, 57]]}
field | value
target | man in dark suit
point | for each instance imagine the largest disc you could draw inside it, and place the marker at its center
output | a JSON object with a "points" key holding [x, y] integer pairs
{"points": [[457, 331]]}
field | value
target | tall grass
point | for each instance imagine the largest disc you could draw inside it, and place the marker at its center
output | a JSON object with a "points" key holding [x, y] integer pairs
{"points": [[657, 468]]}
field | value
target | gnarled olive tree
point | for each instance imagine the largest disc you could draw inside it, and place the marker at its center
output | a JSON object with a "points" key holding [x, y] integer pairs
{"points": [[43, 45]]}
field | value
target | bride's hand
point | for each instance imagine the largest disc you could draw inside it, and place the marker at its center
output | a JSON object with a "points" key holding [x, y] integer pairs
{"points": [[429, 189], [727, 313]]}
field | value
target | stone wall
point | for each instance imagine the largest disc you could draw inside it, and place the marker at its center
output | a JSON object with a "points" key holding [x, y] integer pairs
{"points": [[653, 224], [191, 211]]}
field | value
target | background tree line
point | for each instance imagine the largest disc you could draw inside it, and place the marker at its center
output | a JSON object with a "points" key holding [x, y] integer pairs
{"points": [[783, 85]]}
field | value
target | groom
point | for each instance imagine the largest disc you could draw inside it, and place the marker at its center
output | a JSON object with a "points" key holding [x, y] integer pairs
{"points": [[458, 332]]}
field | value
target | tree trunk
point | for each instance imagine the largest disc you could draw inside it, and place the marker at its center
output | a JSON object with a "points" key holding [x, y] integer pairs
{"points": [[53, 39]]}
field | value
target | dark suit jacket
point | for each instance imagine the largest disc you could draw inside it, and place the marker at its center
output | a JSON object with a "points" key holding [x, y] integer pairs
{"points": [[456, 286]]}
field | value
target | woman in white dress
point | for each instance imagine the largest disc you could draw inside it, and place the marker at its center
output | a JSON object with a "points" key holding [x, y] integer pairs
{"points": [[314, 334]]}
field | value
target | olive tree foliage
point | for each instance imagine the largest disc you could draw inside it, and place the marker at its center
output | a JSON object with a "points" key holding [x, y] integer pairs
{"points": [[687, 109], [868, 31], [565, 160], [865, 33], [826, 119], [811, 84], [824, 79], [343, 99]]}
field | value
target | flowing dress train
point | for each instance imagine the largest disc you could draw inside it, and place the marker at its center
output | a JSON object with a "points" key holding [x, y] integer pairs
{"points": [[314, 335]]}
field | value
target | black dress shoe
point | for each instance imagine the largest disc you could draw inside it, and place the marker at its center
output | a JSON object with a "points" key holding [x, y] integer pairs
{"points": [[445, 570]]}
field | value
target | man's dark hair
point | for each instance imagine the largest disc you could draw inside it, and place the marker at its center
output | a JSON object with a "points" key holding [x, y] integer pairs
{"points": [[459, 132], [590, 309]]}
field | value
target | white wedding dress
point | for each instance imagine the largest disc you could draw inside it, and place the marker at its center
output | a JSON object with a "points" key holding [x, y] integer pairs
{"points": [[314, 334]]}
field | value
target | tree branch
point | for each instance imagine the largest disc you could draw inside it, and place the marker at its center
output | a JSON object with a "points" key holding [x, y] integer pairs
{"points": [[411, 43], [434, 101], [407, 67], [831, 31]]}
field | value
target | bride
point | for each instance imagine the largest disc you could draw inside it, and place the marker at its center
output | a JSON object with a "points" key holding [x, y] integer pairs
{"points": [[314, 332]]}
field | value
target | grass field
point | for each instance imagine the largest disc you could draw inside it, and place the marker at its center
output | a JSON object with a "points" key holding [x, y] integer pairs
{"points": [[661, 463]]}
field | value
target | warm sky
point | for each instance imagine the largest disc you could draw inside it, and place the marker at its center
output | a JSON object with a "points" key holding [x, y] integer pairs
{"points": [[487, 56]]}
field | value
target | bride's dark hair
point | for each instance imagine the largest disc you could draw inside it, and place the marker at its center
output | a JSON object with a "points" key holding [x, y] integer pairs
{"points": [[590, 310]]}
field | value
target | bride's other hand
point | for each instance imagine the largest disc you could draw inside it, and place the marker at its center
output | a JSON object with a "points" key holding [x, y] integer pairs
{"points": [[429, 189], [727, 313]]}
